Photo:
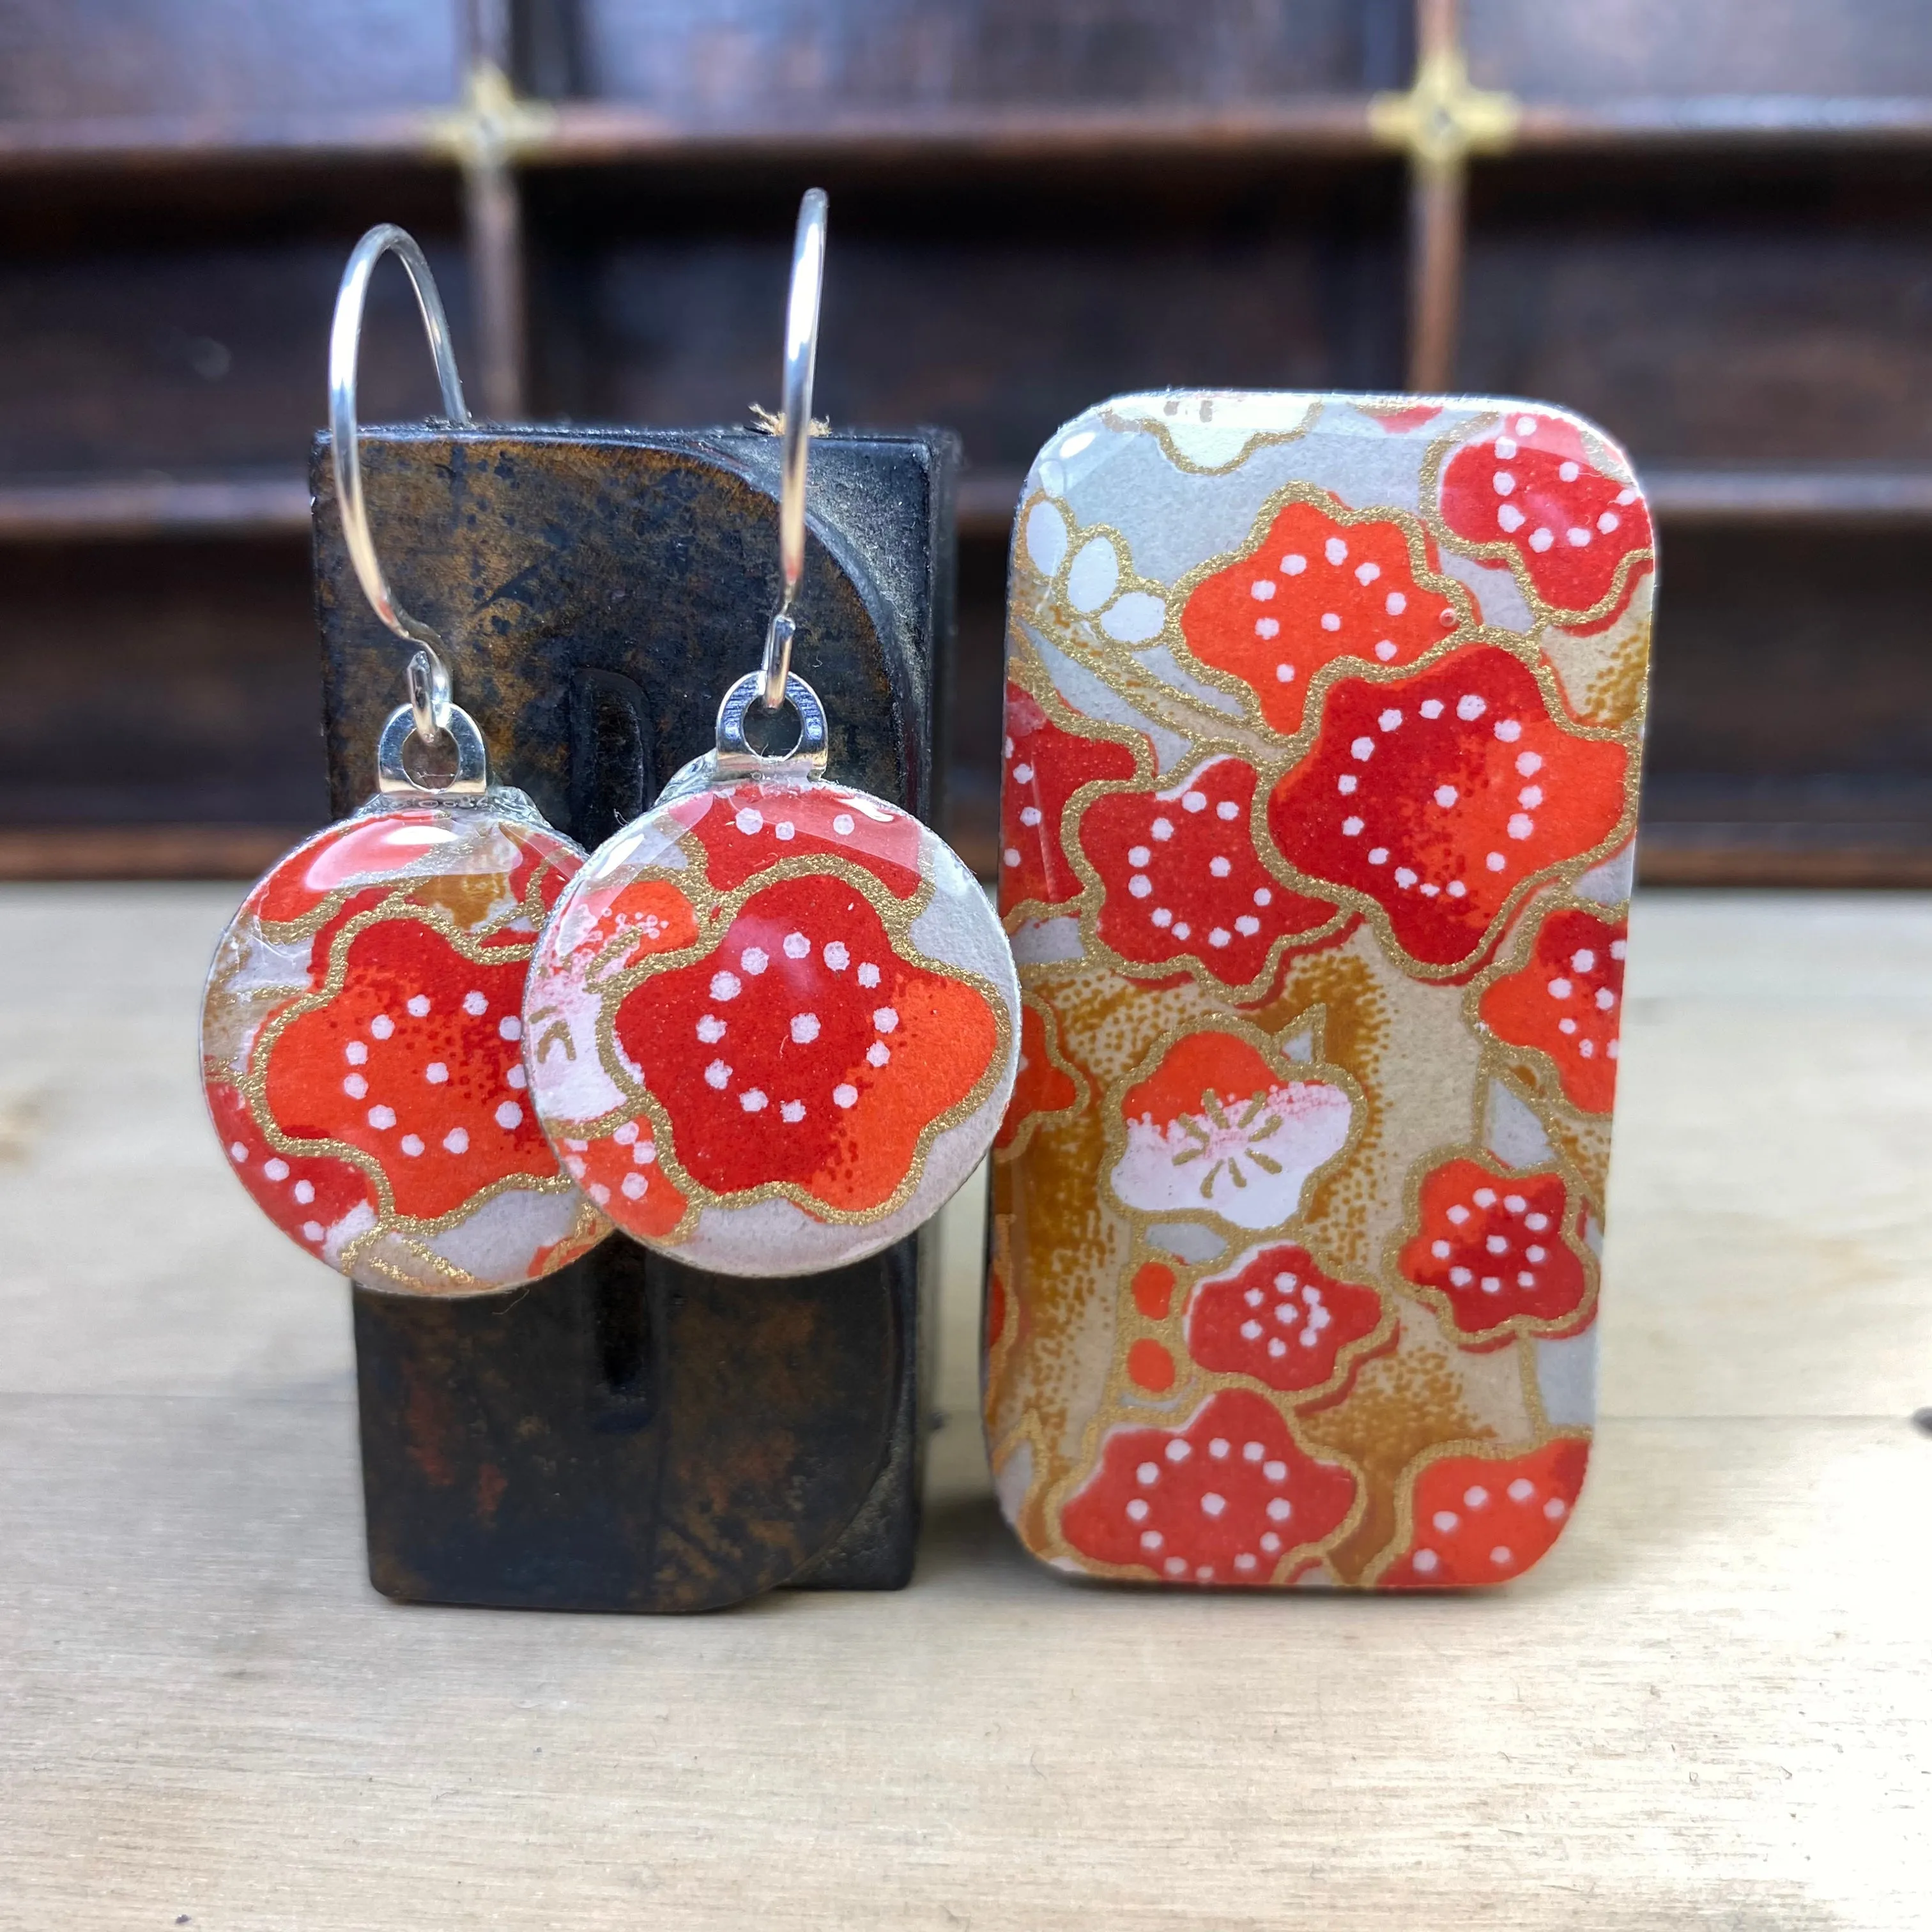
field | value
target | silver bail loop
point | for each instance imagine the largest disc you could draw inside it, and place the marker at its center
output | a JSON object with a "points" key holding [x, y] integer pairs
{"points": [[801, 362], [429, 676], [429, 695]]}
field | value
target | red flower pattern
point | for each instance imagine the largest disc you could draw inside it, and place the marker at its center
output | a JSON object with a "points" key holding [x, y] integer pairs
{"points": [[1432, 783], [620, 1172], [1181, 879], [1494, 1245], [1570, 528], [802, 1049], [306, 1196], [1279, 1318], [1313, 589], [1041, 1086], [1044, 767], [1230, 1497], [391, 1129], [1438, 794], [1484, 1519], [1566, 1001], [415, 1062], [756, 826], [389, 849]]}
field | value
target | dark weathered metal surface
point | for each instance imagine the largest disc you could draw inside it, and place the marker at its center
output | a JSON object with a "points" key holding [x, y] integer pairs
{"points": [[631, 1434]]}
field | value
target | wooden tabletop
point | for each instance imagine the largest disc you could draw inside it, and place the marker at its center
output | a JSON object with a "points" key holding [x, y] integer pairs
{"points": [[1710, 1706]]}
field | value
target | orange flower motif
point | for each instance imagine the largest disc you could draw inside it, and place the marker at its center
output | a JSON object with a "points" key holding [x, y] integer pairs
{"points": [[1313, 589], [416, 1062], [1484, 1519], [364, 1066], [1566, 1001], [620, 1173], [1041, 1088], [306, 1196], [803, 1049], [754, 826]]}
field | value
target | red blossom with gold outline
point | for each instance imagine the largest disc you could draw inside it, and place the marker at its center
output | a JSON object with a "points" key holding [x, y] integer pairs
{"points": [[1279, 1317], [1314, 589], [1486, 1519], [1045, 766], [1229, 1498], [1042, 1086], [416, 1062], [1566, 1000], [801, 1049], [1570, 529], [756, 826], [621, 1173], [1496, 1246], [375, 1105], [1181, 880], [1438, 795], [305, 1196]]}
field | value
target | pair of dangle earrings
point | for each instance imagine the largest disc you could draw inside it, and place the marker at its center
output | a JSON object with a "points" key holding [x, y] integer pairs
{"points": [[769, 1027]]}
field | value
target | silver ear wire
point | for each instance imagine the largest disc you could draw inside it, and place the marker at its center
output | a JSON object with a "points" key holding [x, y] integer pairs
{"points": [[801, 362], [430, 704]]}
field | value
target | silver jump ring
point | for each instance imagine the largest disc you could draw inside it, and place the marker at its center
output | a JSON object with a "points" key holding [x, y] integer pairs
{"points": [[735, 757], [801, 362], [429, 676]]}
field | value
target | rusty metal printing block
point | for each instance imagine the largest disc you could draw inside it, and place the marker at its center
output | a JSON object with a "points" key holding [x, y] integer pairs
{"points": [[631, 1433]]}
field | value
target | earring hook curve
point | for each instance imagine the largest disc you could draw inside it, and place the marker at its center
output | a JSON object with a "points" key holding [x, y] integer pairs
{"points": [[428, 674], [801, 363]]}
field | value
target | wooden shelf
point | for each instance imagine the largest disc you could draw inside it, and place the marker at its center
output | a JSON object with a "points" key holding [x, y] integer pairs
{"points": [[589, 133], [1301, 186], [143, 851], [1727, 120], [1809, 495], [1845, 857], [204, 141], [134, 507], [106, 508], [1678, 495]]}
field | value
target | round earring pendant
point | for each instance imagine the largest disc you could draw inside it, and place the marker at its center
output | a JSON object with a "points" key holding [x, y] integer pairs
{"points": [[771, 1026], [361, 1053]]}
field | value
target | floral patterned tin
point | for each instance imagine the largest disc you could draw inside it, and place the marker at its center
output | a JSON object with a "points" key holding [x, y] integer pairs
{"points": [[1324, 723]]}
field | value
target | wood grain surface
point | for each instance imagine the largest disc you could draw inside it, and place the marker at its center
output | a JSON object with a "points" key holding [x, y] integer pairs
{"points": [[1710, 1706]]}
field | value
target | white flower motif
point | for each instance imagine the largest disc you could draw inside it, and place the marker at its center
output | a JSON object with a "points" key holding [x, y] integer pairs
{"points": [[1243, 1155]]}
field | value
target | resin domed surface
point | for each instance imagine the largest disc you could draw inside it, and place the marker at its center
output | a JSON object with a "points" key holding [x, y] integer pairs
{"points": [[361, 1051], [1325, 720], [773, 1027]]}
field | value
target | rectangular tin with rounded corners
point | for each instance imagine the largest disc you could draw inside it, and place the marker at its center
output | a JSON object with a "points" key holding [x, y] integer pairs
{"points": [[1324, 719]]}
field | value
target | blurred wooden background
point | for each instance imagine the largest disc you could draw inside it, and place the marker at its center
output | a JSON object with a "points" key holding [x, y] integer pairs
{"points": [[1709, 226]]}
